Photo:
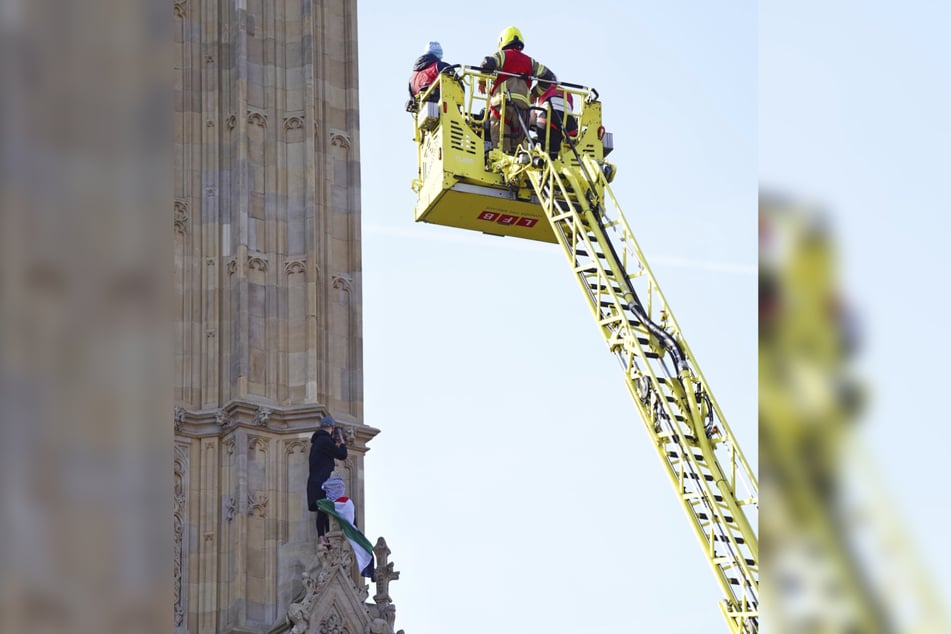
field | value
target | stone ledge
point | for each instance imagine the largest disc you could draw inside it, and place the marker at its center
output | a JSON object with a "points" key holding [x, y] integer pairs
{"points": [[218, 422]]}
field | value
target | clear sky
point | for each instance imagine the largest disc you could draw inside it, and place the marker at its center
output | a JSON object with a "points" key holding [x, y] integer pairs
{"points": [[512, 479]]}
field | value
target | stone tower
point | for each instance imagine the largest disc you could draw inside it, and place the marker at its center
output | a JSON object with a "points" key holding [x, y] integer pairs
{"points": [[267, 303]]}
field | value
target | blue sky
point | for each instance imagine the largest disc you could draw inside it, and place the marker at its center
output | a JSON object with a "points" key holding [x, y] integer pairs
{"points": [[512, 473]]}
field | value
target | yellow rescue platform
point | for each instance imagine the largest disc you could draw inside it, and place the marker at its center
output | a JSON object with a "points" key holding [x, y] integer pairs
{"points": [[464, 183]]}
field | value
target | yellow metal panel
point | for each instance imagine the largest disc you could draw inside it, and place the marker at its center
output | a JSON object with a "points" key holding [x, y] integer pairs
{"points": [[489, 211]]}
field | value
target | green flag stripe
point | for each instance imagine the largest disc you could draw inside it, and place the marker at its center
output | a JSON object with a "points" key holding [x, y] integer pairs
{"points": [[348, 529]]}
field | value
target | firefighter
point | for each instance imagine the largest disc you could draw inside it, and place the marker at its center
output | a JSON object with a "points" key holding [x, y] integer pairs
{"points": [[551, 105], [511, 92], [425, 71]]}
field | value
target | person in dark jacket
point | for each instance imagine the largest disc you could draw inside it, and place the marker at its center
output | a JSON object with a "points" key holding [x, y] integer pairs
{"points": [[326, 445], [426, 69]]}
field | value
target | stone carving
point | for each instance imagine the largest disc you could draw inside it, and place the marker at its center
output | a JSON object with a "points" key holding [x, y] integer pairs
{"points": [[179, 418], [210, 262], [222, 418], [261, 416], [384, 573], [230, 507], [333, 559], [257, 118], [181, 216], [179, 8], [332, 595], [178, 518], [341, 283], [232, 266], [257, 263], [257, 504], [299, 613], [293, 267], [332, 625], [340, 139], [293, 122], [231, 121]]}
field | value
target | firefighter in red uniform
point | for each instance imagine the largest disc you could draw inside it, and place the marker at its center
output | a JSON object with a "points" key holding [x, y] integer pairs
{"points": [[552, 120], [512, 89], [425, 71]]}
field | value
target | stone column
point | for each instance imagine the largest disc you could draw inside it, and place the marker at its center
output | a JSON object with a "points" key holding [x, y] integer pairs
{"points": [[268, 293]]}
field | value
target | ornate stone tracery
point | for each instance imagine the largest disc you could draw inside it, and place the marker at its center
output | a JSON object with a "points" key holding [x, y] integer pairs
{"points": [[258, 119], [257, 504], [180, 218], [294, 267], [179, 520], [339, 138]]}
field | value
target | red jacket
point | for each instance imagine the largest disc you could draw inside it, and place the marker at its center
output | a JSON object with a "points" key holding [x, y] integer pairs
{"points": [[425, 71]]}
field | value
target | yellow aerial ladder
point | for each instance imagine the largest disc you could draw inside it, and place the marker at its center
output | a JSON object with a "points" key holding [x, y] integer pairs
{"points": [[567, 200]]}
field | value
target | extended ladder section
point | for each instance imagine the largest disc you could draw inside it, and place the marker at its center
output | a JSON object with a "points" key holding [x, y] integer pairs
{"points": [[712, 479]]}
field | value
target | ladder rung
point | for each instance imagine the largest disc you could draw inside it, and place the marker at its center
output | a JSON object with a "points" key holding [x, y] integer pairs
{"points": [[727, 518], [676, 437], [584, 253], [720, 538], [595, 270], [693, 476], [678, 454], [602, 287]]}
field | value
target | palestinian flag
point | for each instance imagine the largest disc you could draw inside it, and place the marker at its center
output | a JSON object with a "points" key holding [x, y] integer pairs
{"points": [[342, 510]]}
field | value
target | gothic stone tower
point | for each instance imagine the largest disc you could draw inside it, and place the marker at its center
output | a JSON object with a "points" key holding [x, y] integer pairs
{"points": [[268, 295]]}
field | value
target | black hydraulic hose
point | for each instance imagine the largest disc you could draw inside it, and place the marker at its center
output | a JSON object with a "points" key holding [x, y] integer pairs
{"points": [[670, 344]]}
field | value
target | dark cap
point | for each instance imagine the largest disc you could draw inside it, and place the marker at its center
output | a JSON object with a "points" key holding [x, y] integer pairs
{"points": [[327, 421]]}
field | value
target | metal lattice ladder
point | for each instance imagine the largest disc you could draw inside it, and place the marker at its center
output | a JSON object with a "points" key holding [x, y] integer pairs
{"points": [[714, 482]]}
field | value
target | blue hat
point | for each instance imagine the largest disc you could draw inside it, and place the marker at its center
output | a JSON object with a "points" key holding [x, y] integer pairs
{"points": [[434, 49], [327, 421]]}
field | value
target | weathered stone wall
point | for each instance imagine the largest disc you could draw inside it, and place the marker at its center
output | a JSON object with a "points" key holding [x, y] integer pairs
{"points": [[267, 294]]}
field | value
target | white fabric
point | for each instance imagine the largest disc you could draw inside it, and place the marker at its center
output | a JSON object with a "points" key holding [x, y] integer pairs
{"points": [[346, 511]]}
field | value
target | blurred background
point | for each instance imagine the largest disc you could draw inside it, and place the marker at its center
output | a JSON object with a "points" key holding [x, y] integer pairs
{"points": [[85, 389], [853, 138]]}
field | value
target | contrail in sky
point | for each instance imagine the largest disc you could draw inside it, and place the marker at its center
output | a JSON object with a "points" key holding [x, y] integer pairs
{"points": [[437, 235]]}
